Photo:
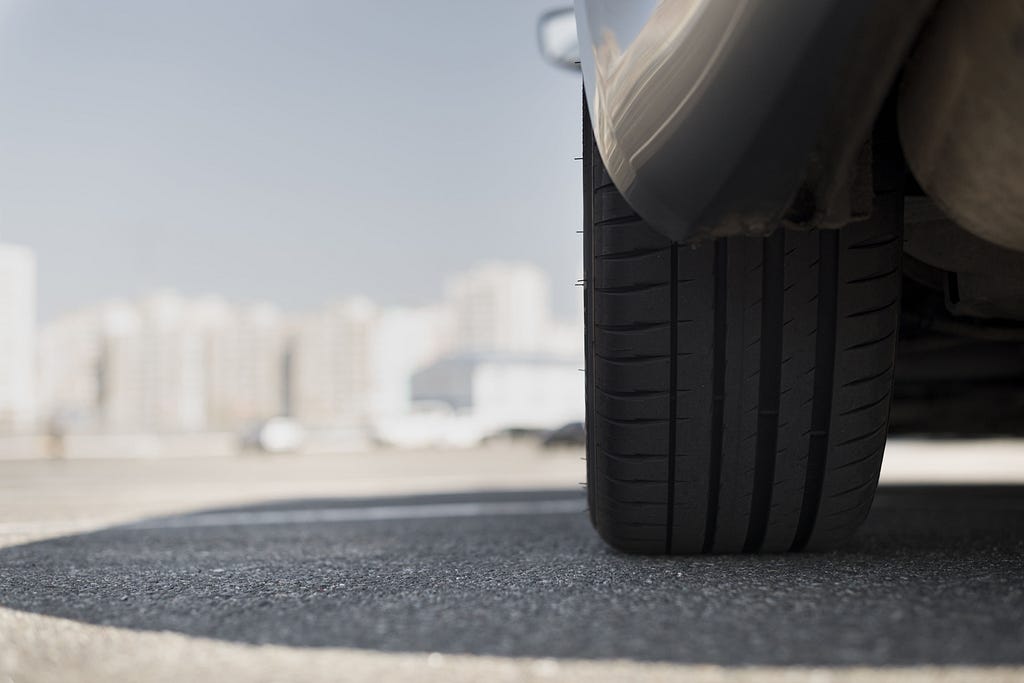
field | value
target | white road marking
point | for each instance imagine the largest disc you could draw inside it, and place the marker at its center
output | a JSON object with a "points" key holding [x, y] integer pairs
{"points": [[364, 514], [313, 515], [56, 527], [271, 517]]}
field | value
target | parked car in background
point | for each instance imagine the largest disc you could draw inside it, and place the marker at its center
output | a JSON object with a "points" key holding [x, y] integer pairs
{"points": [[775, 193], [572, 435], [275, 435]]}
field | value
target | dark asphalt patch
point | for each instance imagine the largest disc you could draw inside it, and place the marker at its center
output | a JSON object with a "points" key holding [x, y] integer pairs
{"points": [[935, 577]]}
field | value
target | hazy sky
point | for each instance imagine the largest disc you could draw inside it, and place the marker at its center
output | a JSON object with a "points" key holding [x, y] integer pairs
{"points": [[289, 150]]}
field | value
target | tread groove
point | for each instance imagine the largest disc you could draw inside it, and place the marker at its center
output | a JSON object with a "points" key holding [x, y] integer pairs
{"points": [[769, 383], [672, 396], [874, 242], [627, 360], [631, 458], [717, 390], [872, 311], [632, 289], [631, 219], [866, 406], [628, 254], [869, 378], [871, 342], [859, 487], [630, 420], [636, 393], [824, 378], [631, 327], [872, 278], [860, 460]]}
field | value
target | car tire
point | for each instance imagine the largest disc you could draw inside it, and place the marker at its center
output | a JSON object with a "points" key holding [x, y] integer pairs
{"points": [[738, 389]]}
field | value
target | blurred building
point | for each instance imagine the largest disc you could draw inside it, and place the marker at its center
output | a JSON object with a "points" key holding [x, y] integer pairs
{"points": [[500, 308], [153, 368], [490, 356], [70, 357], [510, 364], [501, 391], [164, 363], [17, 339], [245, 365], [331, 365], [404, 341]]}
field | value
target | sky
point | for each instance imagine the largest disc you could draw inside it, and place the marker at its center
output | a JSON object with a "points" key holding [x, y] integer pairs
{"points": [[294, 151]]}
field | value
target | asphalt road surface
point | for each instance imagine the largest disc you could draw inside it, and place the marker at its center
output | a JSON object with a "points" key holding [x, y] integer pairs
{"points": [[936, 578]]}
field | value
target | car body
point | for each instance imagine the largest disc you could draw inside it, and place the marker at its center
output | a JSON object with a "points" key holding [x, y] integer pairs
{"points": [[734, 117], [731, 98]]}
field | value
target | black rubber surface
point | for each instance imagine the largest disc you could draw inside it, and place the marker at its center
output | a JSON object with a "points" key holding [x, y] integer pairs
{"points": [[738, 391]]}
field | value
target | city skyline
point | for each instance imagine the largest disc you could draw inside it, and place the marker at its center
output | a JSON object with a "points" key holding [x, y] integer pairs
{"points": [[487, 353]]}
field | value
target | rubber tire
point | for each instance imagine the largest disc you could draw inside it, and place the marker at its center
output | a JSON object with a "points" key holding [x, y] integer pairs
{"points": [[738, 391]]}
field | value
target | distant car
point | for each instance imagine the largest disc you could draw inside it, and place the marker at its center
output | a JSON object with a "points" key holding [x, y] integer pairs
{"points": [[430, 424], [570, 435], [515, 434], [275, 435], [774, 191]]}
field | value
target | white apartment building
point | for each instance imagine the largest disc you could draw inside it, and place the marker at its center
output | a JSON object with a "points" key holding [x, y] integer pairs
{"points": [[17, 339], [499, 391], [164, 363], [404, 341], [70, 362], [500, 308], [331, 365], [154, 368], [245, 365]]}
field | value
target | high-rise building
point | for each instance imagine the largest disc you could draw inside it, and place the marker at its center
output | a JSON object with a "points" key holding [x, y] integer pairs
{"points": [[511, 364], [500, 391], [164, 363], [500, 307], [17, 339], [70, 364], [154, 370], [404, 341], [245, 365], [331, 374]]}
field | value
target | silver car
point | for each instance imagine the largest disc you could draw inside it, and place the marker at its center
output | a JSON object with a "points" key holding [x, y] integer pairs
{"points": [[775, 192]]}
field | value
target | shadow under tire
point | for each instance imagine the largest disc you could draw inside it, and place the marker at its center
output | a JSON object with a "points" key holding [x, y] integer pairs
{"points": [[738, 391]]}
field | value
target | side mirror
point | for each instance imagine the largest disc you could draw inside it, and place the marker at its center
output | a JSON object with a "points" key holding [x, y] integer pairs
{"points": [[556, 36]]}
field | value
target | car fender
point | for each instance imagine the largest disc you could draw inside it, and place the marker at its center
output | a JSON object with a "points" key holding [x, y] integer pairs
{"points": [[710, 114]]}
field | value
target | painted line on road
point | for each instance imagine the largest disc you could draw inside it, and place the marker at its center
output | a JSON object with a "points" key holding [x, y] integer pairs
{"points": [[364, 514], [314, 515], [56, 526]]}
